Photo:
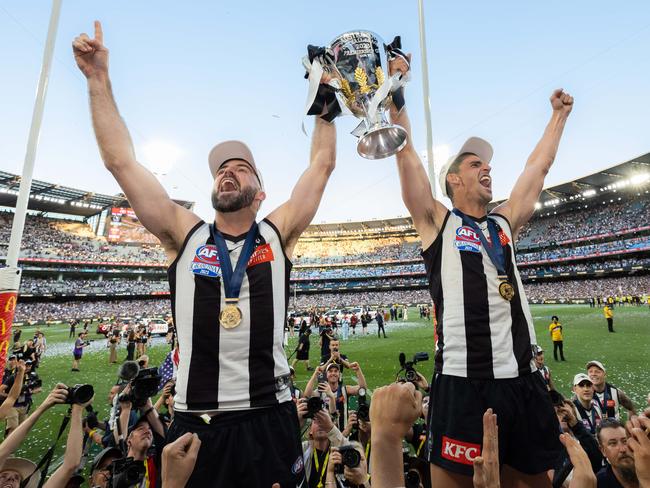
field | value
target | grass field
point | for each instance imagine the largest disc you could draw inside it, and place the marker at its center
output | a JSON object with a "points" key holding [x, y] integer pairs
{"points": [[626, 354]]}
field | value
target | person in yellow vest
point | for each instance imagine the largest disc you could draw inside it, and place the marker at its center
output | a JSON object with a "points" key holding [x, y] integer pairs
{"points": [[555, 329], [609, 315]]}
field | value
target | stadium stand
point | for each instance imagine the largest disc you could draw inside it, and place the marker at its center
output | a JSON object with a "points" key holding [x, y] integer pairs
{"points": [[589, 239]]}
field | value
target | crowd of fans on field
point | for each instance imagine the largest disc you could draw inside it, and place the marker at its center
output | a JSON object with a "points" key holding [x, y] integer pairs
{"points": [[341, 418]]}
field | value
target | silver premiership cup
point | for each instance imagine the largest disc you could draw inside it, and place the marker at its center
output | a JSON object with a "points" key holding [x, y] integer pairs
{"points": [[360, 67]]}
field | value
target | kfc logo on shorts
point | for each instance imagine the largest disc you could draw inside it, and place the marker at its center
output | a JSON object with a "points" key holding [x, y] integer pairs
{"points": [[503, 238], [467, 240], [459, 451]]}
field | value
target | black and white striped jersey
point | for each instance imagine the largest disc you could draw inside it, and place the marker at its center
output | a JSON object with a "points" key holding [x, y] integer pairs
{"points": [[480, 334], [230, 369]]}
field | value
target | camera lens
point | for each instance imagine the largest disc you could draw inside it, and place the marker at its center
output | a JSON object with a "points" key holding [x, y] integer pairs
{"points": [[80, 393], [351, 458]]}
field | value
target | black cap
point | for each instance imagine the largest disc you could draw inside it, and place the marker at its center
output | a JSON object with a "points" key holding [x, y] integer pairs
{"points": [[141, 419], [108, 452]]}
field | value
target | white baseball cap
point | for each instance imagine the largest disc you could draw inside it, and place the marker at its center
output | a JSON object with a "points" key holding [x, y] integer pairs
{"points": [[473, 145], [598, 364], [579, 378]]}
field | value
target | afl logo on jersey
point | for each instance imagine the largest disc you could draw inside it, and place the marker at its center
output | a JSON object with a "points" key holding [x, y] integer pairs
{"points": [[467, 240], [206, 261]]}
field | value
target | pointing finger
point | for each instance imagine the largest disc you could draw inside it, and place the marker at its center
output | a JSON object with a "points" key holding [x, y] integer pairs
{"points": [[99, 33]]}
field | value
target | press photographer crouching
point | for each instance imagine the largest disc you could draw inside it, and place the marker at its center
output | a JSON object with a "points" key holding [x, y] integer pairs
{"points": [[347, 466], [16, 472], [144, 440]]}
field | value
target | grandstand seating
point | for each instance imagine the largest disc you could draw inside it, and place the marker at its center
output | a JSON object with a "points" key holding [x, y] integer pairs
{"points": [[569, 251]]}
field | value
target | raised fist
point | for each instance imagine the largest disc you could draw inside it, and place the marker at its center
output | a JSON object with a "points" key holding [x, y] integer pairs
{"points": [[561, 101]]}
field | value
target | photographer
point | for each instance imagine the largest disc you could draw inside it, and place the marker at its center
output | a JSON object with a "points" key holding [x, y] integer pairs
{"points": [[79, 344], [14, 385], [147, 431], [59, 395], [349, 463], [31, 385], [100, 473], [323, 434], [166, 400]]}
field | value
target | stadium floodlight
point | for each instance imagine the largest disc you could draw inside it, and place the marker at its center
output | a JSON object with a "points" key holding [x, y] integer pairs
{"points": [[161, 156], [639, 178], [588, 193]]}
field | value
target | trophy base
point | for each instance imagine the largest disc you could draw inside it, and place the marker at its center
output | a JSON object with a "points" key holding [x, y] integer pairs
{"points": [[382, 142]]}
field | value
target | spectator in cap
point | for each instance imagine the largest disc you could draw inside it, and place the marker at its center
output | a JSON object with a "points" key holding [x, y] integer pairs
{"points": [[609, 397], [542, 369], [100, 473], [586, 408], [16, 470]]}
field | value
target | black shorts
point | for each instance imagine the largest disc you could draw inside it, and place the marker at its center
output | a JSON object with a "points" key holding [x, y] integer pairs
{"points": [[246, 448], [77, 357], [302, 355], [528, 427]]}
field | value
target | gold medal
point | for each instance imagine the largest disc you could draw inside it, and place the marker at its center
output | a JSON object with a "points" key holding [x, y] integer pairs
{"points": [[506, 290], [230, 317]]}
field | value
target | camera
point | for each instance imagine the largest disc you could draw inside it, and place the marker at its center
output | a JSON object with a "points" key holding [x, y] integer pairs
{"points": [[126, 473], [363, 409], [410, 374], [350, 457], [91, 418], [87, 342], [79, 394], [556, 398], [416, 472], [314, 405], [32, 381], [143, 386]]}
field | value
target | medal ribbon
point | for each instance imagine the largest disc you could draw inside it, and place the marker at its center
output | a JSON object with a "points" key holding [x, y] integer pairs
{"points": [[232, 280], [493, 250]]}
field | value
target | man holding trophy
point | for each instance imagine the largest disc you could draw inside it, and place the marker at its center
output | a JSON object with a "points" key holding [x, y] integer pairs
{"points": [[484, 356], [229, 283]]}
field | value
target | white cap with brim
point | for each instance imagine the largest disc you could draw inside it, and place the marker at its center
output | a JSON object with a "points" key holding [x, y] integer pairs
{"points": [[473, 145], [598, 364], [579, 378], [24, 467]]}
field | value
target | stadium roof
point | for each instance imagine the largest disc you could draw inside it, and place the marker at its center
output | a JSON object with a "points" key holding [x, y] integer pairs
{"points": [[386, 225], [632, 173], [51, 197]]}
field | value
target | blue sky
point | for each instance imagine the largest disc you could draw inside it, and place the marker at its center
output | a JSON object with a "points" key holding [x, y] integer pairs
{"points": [[195, 73]]}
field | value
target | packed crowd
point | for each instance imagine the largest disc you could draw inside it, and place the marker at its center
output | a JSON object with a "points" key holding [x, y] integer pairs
{"points": [[369, 249], [356, 271], [595, 220], [79, 310], [49, 238], [621, 245], [589, 288], [39, 286], [340, 419], [588, 266]]}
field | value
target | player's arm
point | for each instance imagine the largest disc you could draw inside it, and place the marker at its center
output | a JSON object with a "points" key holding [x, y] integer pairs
{"points": [[292, 217], [626, 403], [426, 212], [157, 212], [519, 208]]}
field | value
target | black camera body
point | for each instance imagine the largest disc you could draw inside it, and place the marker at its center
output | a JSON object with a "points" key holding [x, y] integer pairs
{"points": [[91, 417], [350, 457], [79, 394], [314, 405], [410, 374], [363, 409], [32, 381], [143, 386], [126, 472]]}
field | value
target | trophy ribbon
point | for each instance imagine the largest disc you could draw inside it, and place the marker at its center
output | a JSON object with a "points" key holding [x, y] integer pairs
{"points": [[494, 251], [231, 315]]}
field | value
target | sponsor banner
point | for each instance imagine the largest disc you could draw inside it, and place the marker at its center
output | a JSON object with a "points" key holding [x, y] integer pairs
{"points": [[459, 451], [7, 310]]}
